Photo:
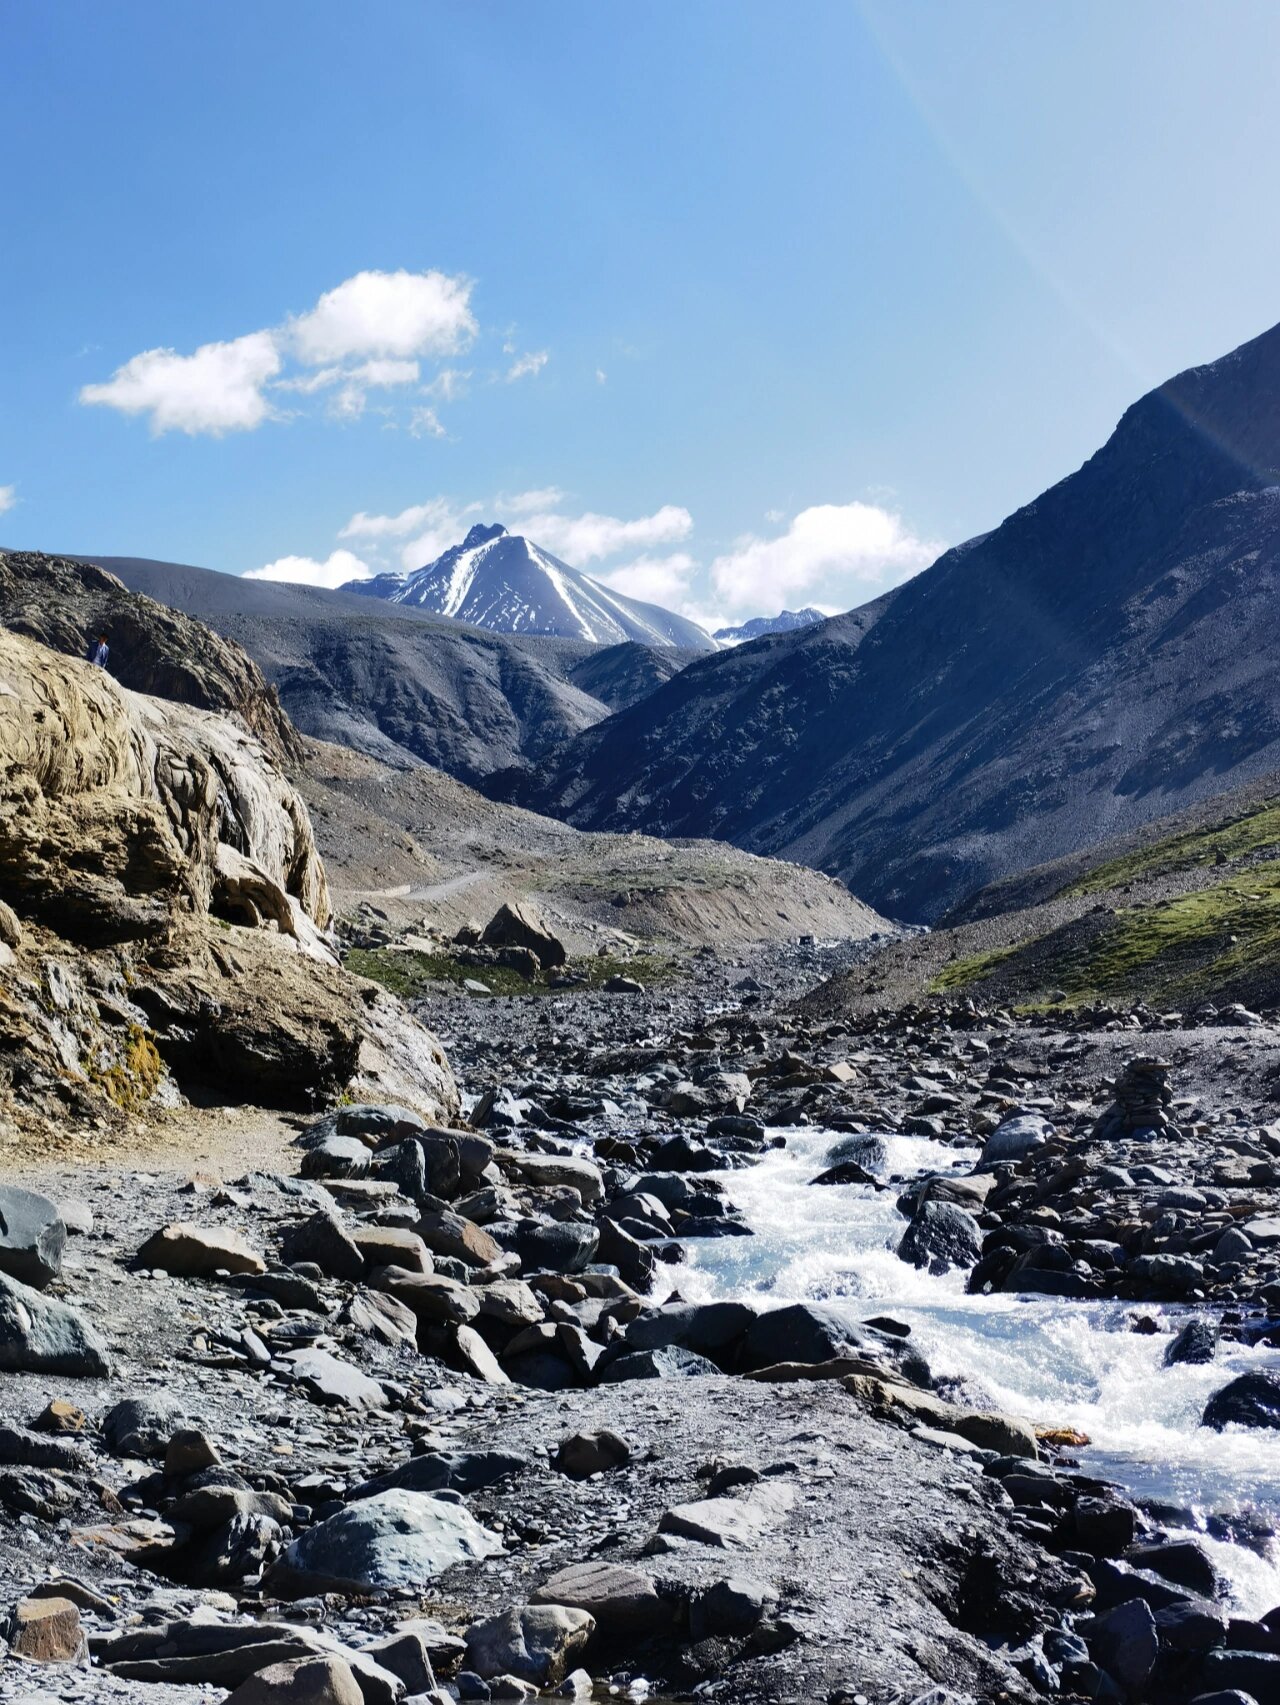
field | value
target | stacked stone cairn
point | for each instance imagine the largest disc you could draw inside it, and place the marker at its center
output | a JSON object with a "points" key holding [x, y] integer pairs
{"points": [[1143, 1099]]}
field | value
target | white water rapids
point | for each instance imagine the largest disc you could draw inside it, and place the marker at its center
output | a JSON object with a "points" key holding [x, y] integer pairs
{"points": [[1061, 1363]]}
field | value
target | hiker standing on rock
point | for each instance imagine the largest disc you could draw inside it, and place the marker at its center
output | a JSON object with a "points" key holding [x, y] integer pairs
{"points": [[100, 652]]}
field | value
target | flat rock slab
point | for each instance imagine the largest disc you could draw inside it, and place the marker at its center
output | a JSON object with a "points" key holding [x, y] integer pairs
{"points": [[731, 1523], [328, 1379], [198, 1251], [620, 1600]]}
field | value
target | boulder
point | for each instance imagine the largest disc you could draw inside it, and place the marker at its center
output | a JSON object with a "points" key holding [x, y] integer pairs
{"points": [[458, 1471], [39, 1335], [553, 1171], [987, 1429], [558, 1246], [1124, 1642], [621, 1601], [449, 1234], [378, 1314], [521, 925], [670, 1362], [814, 1333], [392, 1246], [432, 1299], [536, 1643], [321, 1241], [395, 1539], [336, 1157], [320, 1680], [47, 1631], [728, 1608], [1014, 1139], [941, 1236], [711, 1329], [32, 1237], [198, 1252], [582, 1454], [141, 1426], [1250, 1400]]}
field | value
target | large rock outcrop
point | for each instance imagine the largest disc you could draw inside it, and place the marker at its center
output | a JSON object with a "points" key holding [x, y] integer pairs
{"points": [[165, 910], [66, 604]]}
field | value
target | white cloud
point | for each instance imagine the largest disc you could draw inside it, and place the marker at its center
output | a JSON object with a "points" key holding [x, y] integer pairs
{"points": [[527, 366], [387, 314], [602, 378], [8, 497], [838, 552], [449, 384], [366, 526], [425, 423], [531, 502], [338, 567], [218, 389], [581, 539], [654, 579]]}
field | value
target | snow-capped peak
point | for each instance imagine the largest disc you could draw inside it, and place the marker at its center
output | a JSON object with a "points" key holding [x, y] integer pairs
{"points": [[501, 581]]}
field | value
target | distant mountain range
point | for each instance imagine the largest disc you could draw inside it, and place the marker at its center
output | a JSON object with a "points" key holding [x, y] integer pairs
{"points": [[1102, 658], [507, 584], [787, 622]]}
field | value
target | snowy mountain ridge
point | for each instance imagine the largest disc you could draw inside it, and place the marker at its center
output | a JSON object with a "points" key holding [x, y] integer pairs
{"points": [[787, 621], [507, 584]]}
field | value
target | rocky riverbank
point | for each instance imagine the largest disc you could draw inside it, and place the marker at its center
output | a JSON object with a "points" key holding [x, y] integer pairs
{"points": [[418, 1409]]}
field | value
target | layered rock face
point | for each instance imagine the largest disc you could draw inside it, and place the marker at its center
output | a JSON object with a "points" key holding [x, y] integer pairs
{"points": [[166, 909], [66, 604]]}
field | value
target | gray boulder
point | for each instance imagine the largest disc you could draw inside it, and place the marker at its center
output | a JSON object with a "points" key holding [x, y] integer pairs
{"points": [[670, 1362], [39, 1335], [583, 1454], [396, 1539], [141, 1426], [814, 1333], [322, 1241], [621, 1600], [32, 1237], [521, 925], [536, 1643], [1014, 1139]]}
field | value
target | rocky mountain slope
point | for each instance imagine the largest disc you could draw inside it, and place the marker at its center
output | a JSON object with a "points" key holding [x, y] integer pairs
{"points": [[1104, 656], [403, 685], [507, 584], [786, 622], [164, 912]]}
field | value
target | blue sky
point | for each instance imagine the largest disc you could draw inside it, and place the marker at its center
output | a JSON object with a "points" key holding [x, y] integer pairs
{"points": [[735, 303]]}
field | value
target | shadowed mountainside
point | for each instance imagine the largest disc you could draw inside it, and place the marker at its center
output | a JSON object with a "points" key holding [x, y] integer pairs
{"points": [[1104, 656]]}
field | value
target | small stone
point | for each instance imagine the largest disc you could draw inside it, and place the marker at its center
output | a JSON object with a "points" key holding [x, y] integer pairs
{"points": [[583, 1454], [59, 1416], [188, 1452]]}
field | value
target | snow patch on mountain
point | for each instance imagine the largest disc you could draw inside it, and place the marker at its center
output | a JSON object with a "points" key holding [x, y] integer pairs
{"points": [[787, 622], [508, 584]]}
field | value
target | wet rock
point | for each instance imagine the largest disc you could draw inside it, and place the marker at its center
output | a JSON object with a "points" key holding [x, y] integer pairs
{"points": [[319, 1680], [32, 1237], [583, 1454], [537, 1643], [1191, 1627], [620, 1600], [198, 1252], [1196, 1342], [522, 925], [47, 1631], [321, 1241], [811, 1333], [712, 1329], [396, 1539], [1255, 1674], [1181, 1561], [1125, 1644], [141, 1426], [731, 1523], [941, 1236], [1250, 1400]]}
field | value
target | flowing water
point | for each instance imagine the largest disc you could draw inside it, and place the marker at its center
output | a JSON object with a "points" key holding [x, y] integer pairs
{"points": [[1072, 1364]]}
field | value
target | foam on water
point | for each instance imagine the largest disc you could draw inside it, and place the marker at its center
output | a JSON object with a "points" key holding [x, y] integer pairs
{"points": [[1071, 1364]]}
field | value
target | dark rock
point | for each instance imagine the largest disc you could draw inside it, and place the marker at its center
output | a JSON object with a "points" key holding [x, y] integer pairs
{"points": [[1250, 1400], [941, 1236], [462, 1471], [810, 1332], [141, 1426], [1197, 1342], [583, 1454], [521, 925], [671, 1362], [561, 1246], [729, 1607], [321, 1241], [1125, 1643]]}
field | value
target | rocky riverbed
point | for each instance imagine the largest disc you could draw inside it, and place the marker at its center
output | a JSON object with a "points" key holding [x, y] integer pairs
{"points": [[582, 1395]]}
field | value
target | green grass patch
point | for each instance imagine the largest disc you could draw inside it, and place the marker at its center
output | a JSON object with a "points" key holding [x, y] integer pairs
{"points": [[411, 975], [960, 973], [1197, 847]]}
